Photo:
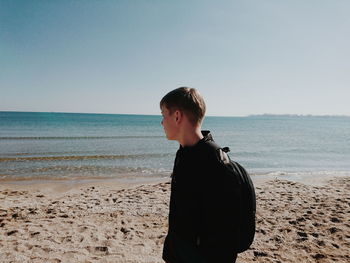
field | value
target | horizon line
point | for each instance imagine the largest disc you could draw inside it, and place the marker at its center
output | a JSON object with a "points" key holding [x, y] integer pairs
{"points": [[248, 115]]}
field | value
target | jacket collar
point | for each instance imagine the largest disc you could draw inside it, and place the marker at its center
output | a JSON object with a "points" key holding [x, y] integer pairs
{"points": [[206, 137]]}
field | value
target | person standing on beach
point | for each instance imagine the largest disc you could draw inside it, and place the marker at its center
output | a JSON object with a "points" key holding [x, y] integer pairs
{"points": [[197, 212]]}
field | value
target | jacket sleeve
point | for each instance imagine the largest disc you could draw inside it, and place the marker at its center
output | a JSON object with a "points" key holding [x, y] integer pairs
{"points": [[177, 249], [168, 250], [184, 217]]}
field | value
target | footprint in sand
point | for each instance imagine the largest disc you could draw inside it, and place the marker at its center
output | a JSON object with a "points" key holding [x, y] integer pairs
{"points": [[10, 233], [335, 220]]}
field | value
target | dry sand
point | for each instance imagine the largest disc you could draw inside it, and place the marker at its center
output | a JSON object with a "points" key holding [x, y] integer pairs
{"points": [[110, 222]]}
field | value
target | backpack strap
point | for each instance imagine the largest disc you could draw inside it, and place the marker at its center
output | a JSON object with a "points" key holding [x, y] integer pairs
{"points": [[220, 152]]}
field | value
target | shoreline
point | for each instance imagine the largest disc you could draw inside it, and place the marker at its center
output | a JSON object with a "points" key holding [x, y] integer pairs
{"points": [[311, 178], [64, 185]]}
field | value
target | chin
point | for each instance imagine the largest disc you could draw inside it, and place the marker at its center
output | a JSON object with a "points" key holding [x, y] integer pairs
{"points": [[169, 137]]}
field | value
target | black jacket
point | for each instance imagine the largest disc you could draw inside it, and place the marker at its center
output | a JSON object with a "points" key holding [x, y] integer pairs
{"points": [[197, 207]]}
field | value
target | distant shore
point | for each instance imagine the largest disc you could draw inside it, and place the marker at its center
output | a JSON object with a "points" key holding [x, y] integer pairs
{"points": [[106, 221]]}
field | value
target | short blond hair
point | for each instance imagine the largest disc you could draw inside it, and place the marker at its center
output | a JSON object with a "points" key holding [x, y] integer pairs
{"points": [[188, 100]]}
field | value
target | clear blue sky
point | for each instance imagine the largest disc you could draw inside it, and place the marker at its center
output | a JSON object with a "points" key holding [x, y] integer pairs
{"points": [[245, 57]]}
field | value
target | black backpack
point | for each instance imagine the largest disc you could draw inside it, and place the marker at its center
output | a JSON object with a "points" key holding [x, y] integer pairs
{"points": [[243, 204]]}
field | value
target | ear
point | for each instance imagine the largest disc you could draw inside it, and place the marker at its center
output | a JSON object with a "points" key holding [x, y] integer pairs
{"points": [[178, 116]]}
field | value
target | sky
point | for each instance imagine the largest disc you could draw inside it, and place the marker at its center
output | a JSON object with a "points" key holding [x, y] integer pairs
{"points": [[122, 56]]}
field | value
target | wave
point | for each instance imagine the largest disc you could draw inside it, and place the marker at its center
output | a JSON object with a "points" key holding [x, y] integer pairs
{"points": [[77, 137], [85, 169], [43, 153], [82, 157], [61, 172]]}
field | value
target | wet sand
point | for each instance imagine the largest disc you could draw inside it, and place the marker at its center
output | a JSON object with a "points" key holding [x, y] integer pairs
{"points": [[115, 222]]}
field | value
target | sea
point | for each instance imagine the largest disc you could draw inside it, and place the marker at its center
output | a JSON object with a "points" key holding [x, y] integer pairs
{"points": [[71, 146]]}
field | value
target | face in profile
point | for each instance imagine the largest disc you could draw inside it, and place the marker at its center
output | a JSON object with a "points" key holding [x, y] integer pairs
{"points": [[169, 123]]}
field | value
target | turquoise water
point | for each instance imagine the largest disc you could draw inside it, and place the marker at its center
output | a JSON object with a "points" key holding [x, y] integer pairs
{"points": [[71, 145]]}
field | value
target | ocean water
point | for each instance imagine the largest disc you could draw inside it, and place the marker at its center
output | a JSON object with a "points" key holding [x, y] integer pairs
{"points": [[71, 145]]}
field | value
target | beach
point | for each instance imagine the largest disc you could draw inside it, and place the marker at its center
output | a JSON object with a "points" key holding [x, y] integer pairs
{"points": [[112, 221]]}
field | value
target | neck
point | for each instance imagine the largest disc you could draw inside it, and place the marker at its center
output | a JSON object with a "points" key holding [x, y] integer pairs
{"points": [[190, 137]]}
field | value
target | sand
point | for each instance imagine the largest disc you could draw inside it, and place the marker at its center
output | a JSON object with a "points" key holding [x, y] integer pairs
{"points": [[114, 222]]}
